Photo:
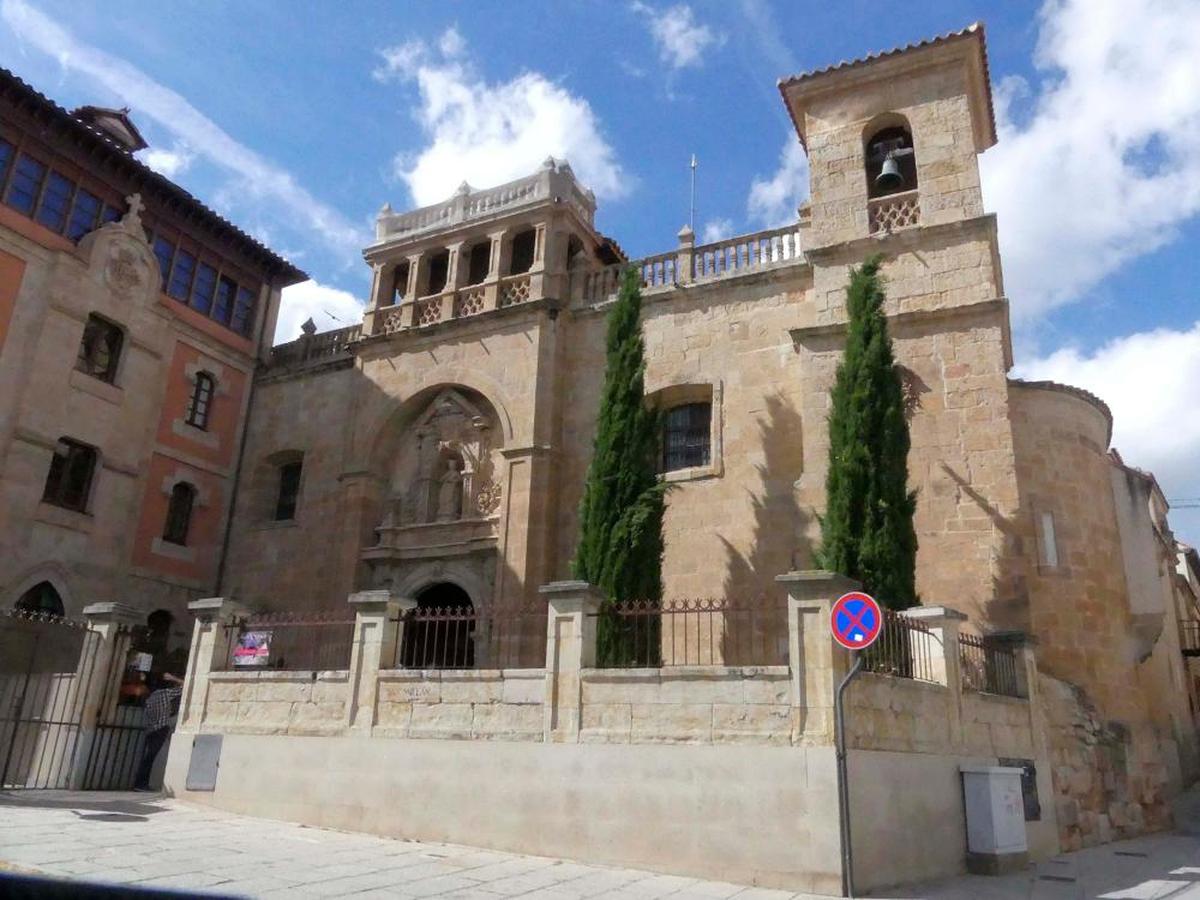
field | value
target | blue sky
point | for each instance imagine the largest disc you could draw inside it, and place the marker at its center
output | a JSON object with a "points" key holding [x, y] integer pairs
{"points": [[300, 126]]}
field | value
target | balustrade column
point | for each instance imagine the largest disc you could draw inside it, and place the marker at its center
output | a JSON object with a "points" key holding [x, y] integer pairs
{"points": [[415, 274], [498, 261], [685, 256], [456, 273]]}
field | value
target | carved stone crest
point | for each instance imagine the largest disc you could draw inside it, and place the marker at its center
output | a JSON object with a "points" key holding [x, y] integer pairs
{"points": [[123, 272], [487, 500]]}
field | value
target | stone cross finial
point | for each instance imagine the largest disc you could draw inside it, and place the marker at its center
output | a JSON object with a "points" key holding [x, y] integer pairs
{"points": [[134, 215]]}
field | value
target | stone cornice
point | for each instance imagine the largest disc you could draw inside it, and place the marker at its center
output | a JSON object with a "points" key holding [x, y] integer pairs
{"points": [[901, 321], [903, 241]]}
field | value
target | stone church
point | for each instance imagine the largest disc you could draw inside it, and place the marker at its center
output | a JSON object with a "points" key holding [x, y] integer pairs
{"points": [[439, 448]]}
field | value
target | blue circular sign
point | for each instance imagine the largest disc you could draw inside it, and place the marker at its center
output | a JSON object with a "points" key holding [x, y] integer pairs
{"points": [[855, 620]]}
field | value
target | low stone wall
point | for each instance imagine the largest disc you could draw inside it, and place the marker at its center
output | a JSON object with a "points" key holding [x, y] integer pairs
{"points": [[275, 702], [478, 704], [686, 705], [899, 714]]}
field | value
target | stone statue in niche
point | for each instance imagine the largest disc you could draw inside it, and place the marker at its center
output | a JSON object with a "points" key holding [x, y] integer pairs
{"points": [[445, 464]]}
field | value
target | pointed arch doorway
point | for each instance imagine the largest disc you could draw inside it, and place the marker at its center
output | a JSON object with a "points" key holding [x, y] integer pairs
{"points": [[440, 632]]}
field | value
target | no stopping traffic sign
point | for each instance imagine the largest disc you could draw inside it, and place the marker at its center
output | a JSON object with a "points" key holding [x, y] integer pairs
{"points": [[855, 620]]}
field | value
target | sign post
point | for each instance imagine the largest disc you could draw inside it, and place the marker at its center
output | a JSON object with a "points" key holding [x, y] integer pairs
{"points": [[855, 621]]}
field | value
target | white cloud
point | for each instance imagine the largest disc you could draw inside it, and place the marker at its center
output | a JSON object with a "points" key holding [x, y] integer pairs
{"points": [[1104, 167], [773, 201], [1149, 380], [168, 163], [328, 307], [680, 39], [716, 230], [257, 178], [489, 133]]}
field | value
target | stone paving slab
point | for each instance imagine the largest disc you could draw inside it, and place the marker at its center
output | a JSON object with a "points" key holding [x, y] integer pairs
{"points": [[137, 839]]}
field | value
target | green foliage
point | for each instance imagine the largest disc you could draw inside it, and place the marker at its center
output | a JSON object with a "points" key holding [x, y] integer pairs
{"points": [[867, 532], [620, 541]]}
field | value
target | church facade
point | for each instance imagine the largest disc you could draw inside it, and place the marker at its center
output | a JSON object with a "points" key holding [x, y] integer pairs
{"points": [[438, 450]]}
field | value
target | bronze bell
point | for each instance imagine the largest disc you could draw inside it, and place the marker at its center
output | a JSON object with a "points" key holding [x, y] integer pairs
{"points": [[889, 177]]}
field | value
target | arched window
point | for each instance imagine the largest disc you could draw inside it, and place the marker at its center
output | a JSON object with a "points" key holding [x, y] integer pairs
{"points": [[890, 160], [100, 349], [42, 598], [69, 481], [179, 513], [479, 262], [201, 399], [523, 245]]}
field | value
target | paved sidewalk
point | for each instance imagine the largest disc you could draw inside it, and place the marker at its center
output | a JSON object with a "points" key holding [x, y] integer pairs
{"points": [[144, 840]]}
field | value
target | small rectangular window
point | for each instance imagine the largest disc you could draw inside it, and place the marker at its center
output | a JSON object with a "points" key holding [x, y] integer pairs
{"points": [[85, 212], [1049, 542], [26, 184], [523, 245], [687, 436], [100, 349], [201, 399], [289, 491], [56, 201], [69, 481], [243, 311], [180, 285], [223, 307], [179, 514], [202, 289]]}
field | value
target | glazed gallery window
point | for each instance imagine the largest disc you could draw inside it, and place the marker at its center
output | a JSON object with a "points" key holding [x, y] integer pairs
{"points": [[179, 513], [201, 400], [100, 349], [289, 490], [69, 481], [687, 436], [49, 197]]}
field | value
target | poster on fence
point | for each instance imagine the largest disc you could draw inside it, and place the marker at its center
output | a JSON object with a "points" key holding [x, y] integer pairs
{"points": [[253, 649]]}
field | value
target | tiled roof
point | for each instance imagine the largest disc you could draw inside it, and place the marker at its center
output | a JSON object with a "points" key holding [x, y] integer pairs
{"points": [[971, 30], [13, 86], [1072, 390]]}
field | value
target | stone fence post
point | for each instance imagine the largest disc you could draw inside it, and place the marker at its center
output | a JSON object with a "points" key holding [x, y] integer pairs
{"points": [[817, 663], [570, 647], [377, 634], [944, 625], [212, 637], [96, 677]]}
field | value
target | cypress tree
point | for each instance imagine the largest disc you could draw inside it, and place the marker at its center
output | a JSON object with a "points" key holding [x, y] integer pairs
{"points": [[867, 532], [620, 540]]}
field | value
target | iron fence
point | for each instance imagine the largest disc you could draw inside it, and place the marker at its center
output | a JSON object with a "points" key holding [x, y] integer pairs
{"points": [[292, 642], [905, 649], [988, 667], [691, 632], [465, 638]]}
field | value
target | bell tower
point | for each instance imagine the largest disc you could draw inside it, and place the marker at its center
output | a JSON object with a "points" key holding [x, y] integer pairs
{"points": [[893, 138]]}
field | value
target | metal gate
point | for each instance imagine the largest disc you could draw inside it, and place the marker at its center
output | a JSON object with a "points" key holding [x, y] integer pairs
{"points": [[116, 746], [46, 669]]}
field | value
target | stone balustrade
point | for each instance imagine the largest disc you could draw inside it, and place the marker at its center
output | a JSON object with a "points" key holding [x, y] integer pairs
{"points": [[313, 348], [894, 212]]}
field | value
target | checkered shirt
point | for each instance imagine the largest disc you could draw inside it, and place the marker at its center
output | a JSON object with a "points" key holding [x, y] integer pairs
{"points": [[158, 707]]}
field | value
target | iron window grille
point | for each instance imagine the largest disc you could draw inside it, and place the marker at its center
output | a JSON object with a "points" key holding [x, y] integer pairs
{"points": [[687, 436], [179, 514], [200, 401], [69, 481], [100, 349]]}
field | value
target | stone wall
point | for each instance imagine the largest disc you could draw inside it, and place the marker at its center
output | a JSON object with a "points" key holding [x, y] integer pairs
{"points": [[275, 702], [481, 704], [686, 705]]}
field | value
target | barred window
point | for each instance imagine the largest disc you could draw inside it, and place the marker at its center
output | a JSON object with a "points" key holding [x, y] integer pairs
{"points": [[687, 436], [179, 514], [201, 400], [100, 349], [69, 481]]}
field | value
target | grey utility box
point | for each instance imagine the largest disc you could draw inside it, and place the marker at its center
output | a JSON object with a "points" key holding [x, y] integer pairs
{"points": [[995, 819]]}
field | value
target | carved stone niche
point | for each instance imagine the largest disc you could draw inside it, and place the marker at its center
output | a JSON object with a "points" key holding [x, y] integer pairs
{"points": [[445, 470]]}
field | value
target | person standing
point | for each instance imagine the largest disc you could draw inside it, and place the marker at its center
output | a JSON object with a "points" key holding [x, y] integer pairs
{"points": [[160, 710]]}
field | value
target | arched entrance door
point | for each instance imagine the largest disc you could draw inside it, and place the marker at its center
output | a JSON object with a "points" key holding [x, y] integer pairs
{"points": [[42, 598], [440, 632]]}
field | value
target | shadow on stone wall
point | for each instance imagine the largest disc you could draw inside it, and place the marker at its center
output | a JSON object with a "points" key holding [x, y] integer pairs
{"points": [[779, 543]]}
